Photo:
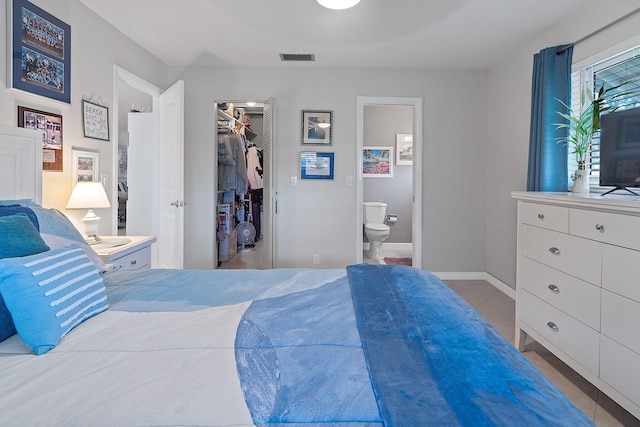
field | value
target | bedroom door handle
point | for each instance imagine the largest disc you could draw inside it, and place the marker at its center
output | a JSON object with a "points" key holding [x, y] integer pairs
{"points": [[176, 203]]}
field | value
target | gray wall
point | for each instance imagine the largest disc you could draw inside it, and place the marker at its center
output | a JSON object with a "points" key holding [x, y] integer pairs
{"points": [[95, 47], [381, 124], [509, 106], [320, 217]]}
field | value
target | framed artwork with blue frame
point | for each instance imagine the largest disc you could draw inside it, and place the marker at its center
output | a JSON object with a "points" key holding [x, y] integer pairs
{"points": [[314, 165], [40, 53]]}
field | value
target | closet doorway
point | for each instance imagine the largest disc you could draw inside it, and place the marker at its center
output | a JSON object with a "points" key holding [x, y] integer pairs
{"points": [[370, 107], [244, 143]]}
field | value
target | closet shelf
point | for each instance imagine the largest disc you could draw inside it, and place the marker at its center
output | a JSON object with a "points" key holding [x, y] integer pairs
{"points": [[247, 131]]}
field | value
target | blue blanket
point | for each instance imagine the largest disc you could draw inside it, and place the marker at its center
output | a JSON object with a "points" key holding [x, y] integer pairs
{"points": [[433, 360], [381, 345]]}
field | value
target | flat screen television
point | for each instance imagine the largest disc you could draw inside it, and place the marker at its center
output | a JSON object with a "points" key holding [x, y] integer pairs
{"points": [[620, 150]]}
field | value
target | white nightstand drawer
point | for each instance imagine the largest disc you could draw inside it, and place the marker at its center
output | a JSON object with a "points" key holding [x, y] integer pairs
{"points": [[576, 339], [138, 260], [545, 216], [621, 230], [578, 257], [619, 271], [130, 252], [575, 297], [619, 369]]}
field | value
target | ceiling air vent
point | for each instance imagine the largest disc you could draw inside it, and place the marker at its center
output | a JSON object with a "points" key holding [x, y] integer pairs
{"points": [[297, 57]]}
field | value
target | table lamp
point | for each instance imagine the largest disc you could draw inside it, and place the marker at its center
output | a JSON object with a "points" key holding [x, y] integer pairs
{"points": [[89, 195]]}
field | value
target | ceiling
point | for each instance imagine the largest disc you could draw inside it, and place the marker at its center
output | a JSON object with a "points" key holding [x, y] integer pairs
{"points": [[465, 34]]}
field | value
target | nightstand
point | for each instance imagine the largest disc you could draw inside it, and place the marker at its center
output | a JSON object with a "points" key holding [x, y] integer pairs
{"points": [[131, 252]]}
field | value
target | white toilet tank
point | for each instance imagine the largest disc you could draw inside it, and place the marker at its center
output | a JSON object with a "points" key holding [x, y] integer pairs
{"points": [[374, 212]]}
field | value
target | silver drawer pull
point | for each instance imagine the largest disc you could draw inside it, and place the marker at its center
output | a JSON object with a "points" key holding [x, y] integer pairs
{"points": [[554, 250], [540, 217], [600, 228], [553, 288], [553, 326]]}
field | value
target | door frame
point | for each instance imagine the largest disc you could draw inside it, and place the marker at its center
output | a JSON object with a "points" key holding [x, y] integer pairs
{"points": [[269, 195], [416, 226]]}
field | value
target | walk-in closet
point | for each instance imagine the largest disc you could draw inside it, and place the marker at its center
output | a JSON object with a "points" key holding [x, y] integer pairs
{"points": [[241, 179]]}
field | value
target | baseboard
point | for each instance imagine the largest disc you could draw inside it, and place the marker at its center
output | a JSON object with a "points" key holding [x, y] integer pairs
{"points": [[498, 284]]}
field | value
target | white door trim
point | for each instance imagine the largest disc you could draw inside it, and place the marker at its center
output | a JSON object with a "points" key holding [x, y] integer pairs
{"points": [[416, 103]]}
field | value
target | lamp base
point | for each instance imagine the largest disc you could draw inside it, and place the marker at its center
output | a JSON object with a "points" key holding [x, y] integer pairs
{"points": [[93, 240]]}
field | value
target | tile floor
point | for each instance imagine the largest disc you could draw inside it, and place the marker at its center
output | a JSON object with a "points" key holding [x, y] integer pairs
{"points": [[499, 310]]}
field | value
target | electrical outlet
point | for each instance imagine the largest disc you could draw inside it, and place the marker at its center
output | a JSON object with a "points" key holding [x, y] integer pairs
{"points": [[294, 181], [316, 259]]}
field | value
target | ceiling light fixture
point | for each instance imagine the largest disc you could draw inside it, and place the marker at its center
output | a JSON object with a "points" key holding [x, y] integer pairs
{"points": [[338, 4]]}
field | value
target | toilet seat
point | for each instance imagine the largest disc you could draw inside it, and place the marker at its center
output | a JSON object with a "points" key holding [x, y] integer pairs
{"points": [[377, 227]]}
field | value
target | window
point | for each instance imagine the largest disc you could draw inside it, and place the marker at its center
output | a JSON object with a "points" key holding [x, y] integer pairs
{"points": [[611, 72]]}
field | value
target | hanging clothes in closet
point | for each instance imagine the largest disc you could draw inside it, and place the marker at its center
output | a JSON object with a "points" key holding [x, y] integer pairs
{"points": [[232, 166]]}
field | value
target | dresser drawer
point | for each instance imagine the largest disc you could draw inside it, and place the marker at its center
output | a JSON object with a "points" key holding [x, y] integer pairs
{"points": [[619, 369], [621, 230], [575, 256], [619, 271], [621, 319], [545, 216], [575, 297], [576, 339], [138, 260]]}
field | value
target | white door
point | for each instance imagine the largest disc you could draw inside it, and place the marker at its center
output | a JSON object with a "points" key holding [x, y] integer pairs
{"points": [[170, 178]]}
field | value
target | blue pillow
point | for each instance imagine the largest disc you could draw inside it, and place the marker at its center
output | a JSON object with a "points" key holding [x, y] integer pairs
{"points": [[19, 237], [50, 293], [14, 209]]}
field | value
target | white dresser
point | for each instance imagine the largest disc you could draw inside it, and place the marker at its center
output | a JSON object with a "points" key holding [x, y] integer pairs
{"points": [[578, 285]]}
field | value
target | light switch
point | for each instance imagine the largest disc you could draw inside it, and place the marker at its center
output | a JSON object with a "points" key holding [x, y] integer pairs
{"points": [[294, 181], [349, 181]]}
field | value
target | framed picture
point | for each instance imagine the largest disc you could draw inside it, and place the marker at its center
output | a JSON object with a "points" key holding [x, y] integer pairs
{"points": [[404, 149], [377, 162], [40, 51], [51, 126], [317, 127], [95, 120], [85, 166], [315, 165]]}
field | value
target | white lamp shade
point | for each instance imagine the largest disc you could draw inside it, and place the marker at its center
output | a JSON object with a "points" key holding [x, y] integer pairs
{"points": [[88, 195], [338, 4]]}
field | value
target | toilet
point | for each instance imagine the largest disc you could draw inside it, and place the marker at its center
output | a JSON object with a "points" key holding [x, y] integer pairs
{"points": [[374, 228]]}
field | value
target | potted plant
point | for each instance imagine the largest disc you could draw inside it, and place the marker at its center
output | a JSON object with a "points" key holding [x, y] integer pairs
{"points": [[584, 126]]}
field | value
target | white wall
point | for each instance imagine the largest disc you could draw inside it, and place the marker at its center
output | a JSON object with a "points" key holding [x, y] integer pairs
{"points": [[320, 217], [95, 47], [509, 101]]}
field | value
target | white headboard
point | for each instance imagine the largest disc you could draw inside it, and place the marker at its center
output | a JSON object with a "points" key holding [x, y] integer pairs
{"points": [[20, 164]]}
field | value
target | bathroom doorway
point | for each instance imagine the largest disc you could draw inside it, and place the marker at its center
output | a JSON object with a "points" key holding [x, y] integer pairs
{"points": [[387, 124]]}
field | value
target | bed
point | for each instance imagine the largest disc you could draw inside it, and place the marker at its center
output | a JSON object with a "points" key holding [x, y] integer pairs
{"points": [[366, 345]]}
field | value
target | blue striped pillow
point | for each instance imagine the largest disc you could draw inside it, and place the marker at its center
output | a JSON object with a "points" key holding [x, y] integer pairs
{"points": [[50, 293]]}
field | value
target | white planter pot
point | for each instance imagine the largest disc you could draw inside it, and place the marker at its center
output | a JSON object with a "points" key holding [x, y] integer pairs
{"points": [[581, 182]]}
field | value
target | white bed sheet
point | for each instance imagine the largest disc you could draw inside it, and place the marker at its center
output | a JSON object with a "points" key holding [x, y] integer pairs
{"points": [[189, 353]]}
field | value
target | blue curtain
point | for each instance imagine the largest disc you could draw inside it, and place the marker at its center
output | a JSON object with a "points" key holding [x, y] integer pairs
{"points": [[551, 81]]}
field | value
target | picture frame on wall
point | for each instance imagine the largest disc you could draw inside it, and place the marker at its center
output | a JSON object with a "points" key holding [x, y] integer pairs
{"points": [[314, 165], [95, 120], [317, 127], [85, 166], [377, 162], [404, 149], [50, 125], [40, 51]]}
